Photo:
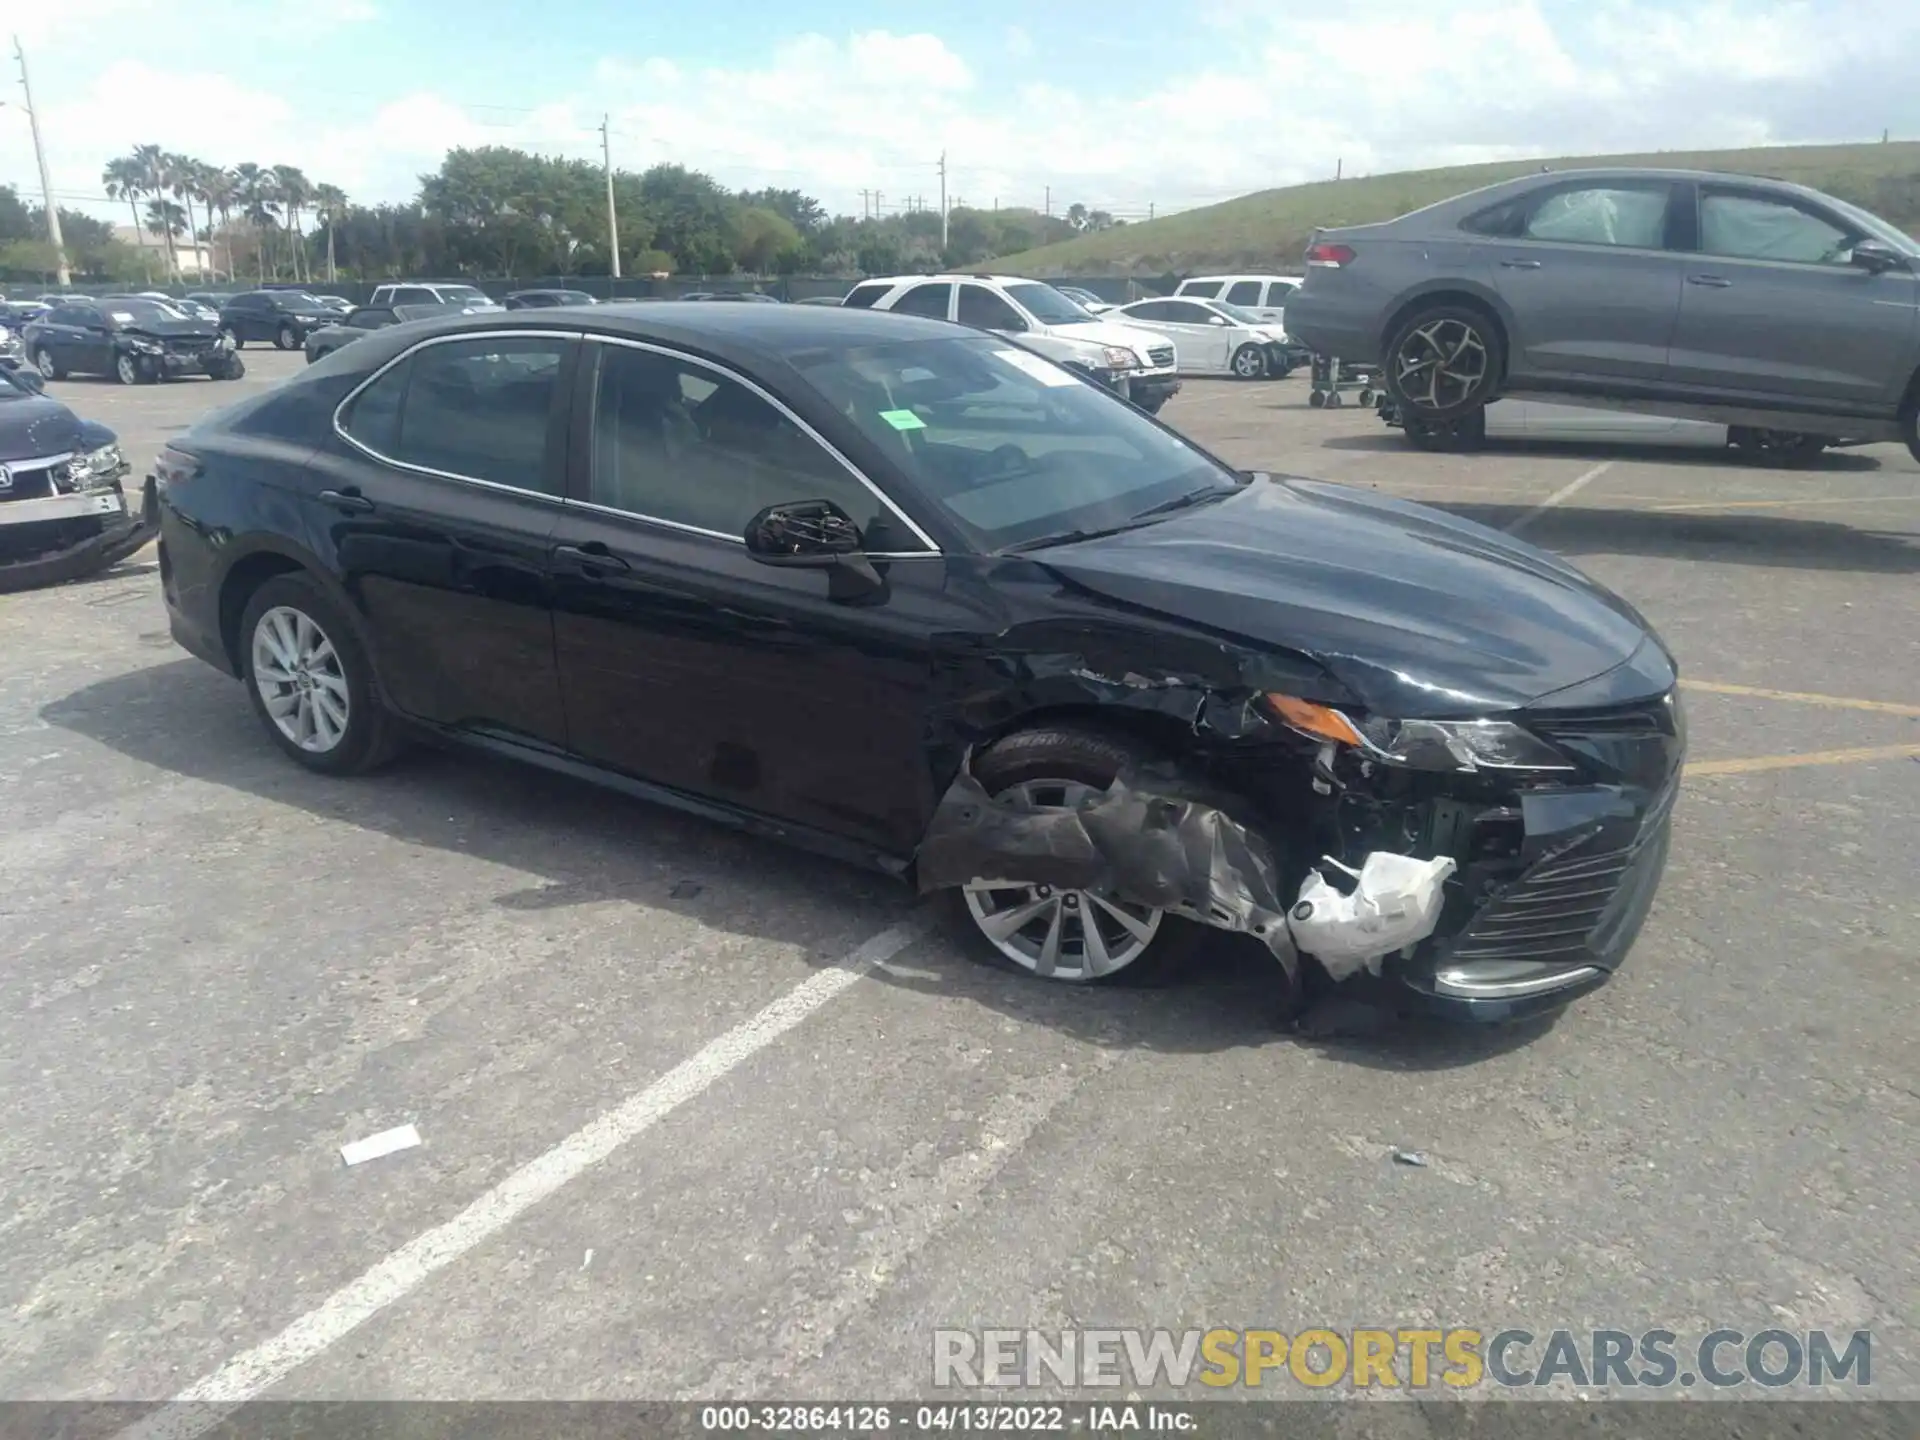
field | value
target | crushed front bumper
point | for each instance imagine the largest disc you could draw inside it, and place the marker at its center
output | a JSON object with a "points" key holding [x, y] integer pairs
{"points": [[48, 540]]}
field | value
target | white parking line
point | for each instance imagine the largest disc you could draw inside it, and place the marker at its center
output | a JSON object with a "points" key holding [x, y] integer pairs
{"points": [[209, 1400], [1565, 492]]}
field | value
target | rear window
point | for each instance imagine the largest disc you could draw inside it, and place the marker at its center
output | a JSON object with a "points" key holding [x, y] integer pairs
{"points": [[1205, 289], [1244, 292], [862, 297], [928, 300]]}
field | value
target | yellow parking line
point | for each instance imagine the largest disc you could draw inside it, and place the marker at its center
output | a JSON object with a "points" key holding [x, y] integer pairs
{"points": [[1783, 504], [1703, 768], [1834, 702]]}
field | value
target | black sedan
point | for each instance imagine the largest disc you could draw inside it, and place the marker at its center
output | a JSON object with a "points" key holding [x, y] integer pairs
{"points": [[547, 299], [881, 587], [364, 320], [281, 317], [132, 339], [62, 512]]}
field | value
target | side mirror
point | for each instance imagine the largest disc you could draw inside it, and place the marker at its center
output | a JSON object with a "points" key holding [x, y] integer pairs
{"points": [[1220, 320], [1877, 257], [817, 535]]}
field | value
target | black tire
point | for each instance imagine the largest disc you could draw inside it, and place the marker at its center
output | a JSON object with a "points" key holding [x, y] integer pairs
{"points": [[285, 338], [1910, 425], [1780, 449], [1317, 399], [1467, 432], [49, 368], [1249, 362], [1085, 757], [1455, 354], [370, 737], [1153, 406]]}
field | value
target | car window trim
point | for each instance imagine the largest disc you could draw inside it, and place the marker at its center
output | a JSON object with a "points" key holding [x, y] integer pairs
{"points": [[1531, 200], [564, 336], [932, 551]]}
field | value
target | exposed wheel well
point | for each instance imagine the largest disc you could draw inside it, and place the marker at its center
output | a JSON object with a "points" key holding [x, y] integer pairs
{"points": [[1160, 732], [1464, 298], [245, 578]]}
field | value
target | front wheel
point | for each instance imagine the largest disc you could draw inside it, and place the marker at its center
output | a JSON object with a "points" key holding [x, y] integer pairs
{"points": [[309, 679], [1444, 361], [1077, 937], [1249, 362], [128, 370], [286, 338]]}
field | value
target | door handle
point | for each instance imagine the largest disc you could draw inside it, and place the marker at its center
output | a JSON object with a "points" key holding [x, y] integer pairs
{"points": [[1712, 282], [349, 500], [590, 557], [1521, 264]]}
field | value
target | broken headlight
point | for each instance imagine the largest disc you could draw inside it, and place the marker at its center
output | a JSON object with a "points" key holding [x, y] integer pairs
{"points": [[1460, 745], [95, 470]]}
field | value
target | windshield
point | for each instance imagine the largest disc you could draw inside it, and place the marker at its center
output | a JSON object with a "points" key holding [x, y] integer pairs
{"points": [[1048, 305], [463, 294], [298, 300], [140, 312], [1012, 447], [1238, 313], [1878, 229]]}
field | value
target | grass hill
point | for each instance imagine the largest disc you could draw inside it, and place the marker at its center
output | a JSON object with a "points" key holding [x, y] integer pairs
{"points": [[1268, 230]]}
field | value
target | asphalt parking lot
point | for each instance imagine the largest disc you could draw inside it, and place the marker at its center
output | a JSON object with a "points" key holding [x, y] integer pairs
{"points": [[675, 1146]]}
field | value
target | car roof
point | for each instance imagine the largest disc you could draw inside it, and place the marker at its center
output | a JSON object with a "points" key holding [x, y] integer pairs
{"points": [[744, 333], [956, 275]]}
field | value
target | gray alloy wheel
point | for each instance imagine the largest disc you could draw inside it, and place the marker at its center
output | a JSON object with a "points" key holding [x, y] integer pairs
{"points": [[301, 679], [1443, 362], [48, 367], [1074, 936], [286, 339], [1249, 362], [126, 369]]}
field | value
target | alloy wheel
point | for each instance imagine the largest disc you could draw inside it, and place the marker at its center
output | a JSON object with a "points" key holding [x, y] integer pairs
{"points": [[1068, 935], [301, 680], [43, 362], [1248, 363], [1440, 364], [126, 369]]}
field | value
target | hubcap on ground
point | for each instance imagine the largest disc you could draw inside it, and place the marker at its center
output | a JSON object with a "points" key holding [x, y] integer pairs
{"points": [[299, 676], [1440, 364], [1069, 935]]}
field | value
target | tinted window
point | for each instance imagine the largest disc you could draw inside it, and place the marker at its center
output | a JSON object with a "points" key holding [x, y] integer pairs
{"points": [[1152, 310], [1278, 291], [861, 297], [479, 408], [1186, 312], [1604, 215], [1747, 227], [984, 310], [413, 295], [675, 441], [1244, 292], [370, 319], [67, 315], [1205, 289], [928, 300]]}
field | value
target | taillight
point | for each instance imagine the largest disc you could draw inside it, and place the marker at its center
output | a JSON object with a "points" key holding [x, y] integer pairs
{"points": [[1328, 256]]}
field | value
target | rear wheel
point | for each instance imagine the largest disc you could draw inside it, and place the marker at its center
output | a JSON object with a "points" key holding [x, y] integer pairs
{"points": [[1249, 362], [309, 680], [1443, 361], [1077, 937], [49, 368]]}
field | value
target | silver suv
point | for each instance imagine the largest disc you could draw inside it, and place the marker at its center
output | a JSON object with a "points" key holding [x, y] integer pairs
{"points": [[1783, 313]]}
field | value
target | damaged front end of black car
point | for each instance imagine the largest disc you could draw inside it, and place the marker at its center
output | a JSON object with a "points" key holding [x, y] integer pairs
{"points": [[1462, 789], [63, 512]]}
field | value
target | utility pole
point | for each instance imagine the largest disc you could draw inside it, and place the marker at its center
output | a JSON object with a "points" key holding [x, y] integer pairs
{"points": [[878, 209], [54, 238], [1049, 209], [1337, 164], [1150, 209], [613, 220], [943, 199]]}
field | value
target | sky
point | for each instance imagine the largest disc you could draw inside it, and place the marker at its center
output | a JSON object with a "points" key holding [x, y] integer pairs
{"points": [[1118, 105]]}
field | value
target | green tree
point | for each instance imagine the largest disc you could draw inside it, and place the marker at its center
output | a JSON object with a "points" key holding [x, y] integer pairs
{"points": [[766, 244], [693, 218], [258, 197]]}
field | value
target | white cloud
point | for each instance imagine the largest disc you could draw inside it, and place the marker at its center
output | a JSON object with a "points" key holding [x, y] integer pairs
{"points": [[1373, 89]]}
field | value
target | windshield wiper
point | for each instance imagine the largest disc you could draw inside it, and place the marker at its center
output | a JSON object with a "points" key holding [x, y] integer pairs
{"points": [[1204, 495], [1066, 537]]}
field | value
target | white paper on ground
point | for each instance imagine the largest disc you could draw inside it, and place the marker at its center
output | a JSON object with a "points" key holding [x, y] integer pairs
{"points": [[1038, 366], [385, 1143], [1395, 903]]}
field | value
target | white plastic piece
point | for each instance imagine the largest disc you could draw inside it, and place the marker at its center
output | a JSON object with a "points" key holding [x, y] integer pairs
{"points": [[1038, 367], [385, 1143], [1395, 904]]}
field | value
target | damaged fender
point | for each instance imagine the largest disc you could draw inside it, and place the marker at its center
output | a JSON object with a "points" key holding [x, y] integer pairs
{"points": [[1156, 838]]}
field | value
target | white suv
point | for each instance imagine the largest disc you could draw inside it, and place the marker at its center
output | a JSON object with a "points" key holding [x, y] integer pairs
{"points": [[1135, 363], [1265, 295], [469, 297]]}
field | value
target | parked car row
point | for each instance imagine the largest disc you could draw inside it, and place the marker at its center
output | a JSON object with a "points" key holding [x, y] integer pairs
{"points": [[133, 339]]}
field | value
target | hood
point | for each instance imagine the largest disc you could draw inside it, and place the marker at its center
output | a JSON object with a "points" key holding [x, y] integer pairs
{"points": [[1417, 613], [1109, 332], [36, 425], [174, 329]]}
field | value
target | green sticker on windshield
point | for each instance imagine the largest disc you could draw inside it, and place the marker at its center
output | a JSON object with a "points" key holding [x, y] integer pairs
{"points": [[903, 419]]}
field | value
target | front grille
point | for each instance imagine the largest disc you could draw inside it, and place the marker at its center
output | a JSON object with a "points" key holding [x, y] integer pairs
{"points": [[1553, 910], [31, 479], [191, 345], [1160, 354]]}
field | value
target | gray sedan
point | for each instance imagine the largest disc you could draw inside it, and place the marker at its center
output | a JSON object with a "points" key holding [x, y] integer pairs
{"points": [[364, 320], [1788, 315]]}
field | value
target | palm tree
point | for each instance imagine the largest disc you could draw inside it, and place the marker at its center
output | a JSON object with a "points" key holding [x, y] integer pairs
{"points": [[165, 219], [183, 183], [151, 162], [296, 191], [332, 201], [219, 192], [259, 203], [121, 181]]}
